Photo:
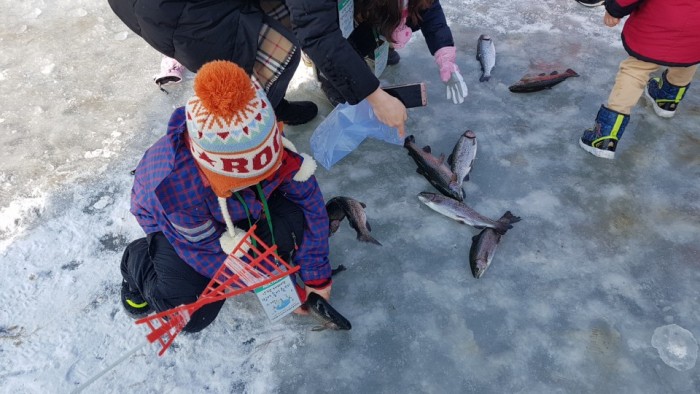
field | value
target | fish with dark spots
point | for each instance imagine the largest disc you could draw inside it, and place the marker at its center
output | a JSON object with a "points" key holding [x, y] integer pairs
{"points": [[322, 311], [336, 214], [486, 55], [355, 212], [484, 246], [434, 169], [462, 213], [461, 160], [534, 83]]}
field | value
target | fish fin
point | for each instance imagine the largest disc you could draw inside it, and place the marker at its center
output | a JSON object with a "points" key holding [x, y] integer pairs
{"points": [[427, 149], [318, 328], [485, 78], [337, 269], [368, 226], [369, 239], [510, 218], [363, 204], [571, 72], [466, 178], [450, 159]]}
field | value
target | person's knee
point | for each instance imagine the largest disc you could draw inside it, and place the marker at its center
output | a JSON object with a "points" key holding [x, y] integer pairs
{"points": [[203, 317]]}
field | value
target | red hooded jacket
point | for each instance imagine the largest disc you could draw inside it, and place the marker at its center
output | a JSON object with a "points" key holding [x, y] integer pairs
{"points": [[665, 32]]}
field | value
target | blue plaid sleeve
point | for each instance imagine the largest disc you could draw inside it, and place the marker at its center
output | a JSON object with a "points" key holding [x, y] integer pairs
{"points": [[312, 255]]}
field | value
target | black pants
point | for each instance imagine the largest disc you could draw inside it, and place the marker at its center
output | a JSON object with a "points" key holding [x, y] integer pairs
{"points": [[151, 265]]}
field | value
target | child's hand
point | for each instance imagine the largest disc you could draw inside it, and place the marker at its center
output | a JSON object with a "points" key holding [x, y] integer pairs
{"points": [[609, 20]]}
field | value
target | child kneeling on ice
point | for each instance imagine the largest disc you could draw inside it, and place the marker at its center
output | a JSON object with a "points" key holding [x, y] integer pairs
{"points": [[222, 166], [657, 33]]}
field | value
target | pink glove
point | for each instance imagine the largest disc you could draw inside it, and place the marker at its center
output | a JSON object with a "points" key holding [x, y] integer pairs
{"points": [[401, 35], [449, 73], [445, 58]]}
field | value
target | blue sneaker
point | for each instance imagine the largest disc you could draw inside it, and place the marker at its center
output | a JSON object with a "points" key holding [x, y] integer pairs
{"points": [[601, 140], [664, 97]]}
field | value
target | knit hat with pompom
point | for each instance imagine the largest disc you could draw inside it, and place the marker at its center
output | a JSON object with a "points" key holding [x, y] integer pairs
{"points": [[232, 130]]}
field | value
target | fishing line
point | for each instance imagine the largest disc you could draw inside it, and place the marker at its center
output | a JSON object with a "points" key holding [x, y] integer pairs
{"points": [[109, 368]]}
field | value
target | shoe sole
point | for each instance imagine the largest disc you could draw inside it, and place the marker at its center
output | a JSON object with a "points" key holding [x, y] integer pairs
{"points": [[165, 81], [592, 5], [658, 110], [604, 154]]}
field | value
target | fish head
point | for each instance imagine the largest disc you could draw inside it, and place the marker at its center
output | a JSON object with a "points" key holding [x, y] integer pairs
{"points": [[478, 267], [334, 225], [409, 140], [426, 197]]}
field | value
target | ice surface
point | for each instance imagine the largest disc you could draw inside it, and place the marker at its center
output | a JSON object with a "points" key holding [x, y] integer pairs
{"points": [[607, 251], [677, 346]]}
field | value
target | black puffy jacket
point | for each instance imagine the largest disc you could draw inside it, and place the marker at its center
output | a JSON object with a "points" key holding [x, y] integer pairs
{"points": [[197, 31]]}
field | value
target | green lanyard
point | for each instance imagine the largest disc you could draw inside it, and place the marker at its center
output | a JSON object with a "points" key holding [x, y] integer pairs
{"points": [[265, 208]]}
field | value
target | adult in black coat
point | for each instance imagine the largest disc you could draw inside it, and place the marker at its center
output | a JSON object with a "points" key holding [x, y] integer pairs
{"points": [[195, 32]]}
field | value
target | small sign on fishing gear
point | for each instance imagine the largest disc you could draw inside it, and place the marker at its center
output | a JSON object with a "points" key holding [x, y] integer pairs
{"points": [[278, 298]]}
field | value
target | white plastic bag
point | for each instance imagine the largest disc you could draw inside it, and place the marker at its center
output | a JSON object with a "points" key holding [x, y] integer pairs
{"points": [[344, 129]]}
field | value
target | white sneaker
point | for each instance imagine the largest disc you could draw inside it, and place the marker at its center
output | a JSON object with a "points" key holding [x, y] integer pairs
{"points": [[170, 72]]}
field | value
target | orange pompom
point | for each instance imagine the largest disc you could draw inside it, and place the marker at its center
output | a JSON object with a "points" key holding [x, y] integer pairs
{"points": [[224, 88]]}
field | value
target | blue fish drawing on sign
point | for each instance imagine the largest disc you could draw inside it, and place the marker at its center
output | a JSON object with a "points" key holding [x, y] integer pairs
{"points": [[283, 304]]}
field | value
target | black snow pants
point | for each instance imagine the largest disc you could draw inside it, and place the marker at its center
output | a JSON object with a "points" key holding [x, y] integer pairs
{"points": [[165, 281]]}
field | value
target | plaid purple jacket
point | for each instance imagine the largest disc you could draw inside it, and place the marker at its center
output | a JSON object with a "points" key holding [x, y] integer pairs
{"points": [[169, 195]]}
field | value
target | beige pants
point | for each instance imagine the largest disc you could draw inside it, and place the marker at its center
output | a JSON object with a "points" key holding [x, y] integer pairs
{"points": [[632, 78]]}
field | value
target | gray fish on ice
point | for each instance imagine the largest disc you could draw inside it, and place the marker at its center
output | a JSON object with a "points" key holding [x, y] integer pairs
{"points": [[484, 246], [460, 212], [434, 169], [336, 214], [322, 311], [486, 55], [355, 212], [462, 157]]}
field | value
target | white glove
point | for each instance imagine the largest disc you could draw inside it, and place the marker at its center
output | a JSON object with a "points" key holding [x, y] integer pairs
{"points": [[456, 88], [445, 58]]}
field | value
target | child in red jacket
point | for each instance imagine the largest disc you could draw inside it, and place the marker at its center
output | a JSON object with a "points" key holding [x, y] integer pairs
{"points": [[657, 33]]}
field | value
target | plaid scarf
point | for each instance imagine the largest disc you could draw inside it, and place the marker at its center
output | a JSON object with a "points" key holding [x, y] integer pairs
{"points": [[274, 50]]}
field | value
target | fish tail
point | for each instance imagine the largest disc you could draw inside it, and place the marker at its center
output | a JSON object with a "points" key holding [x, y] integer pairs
{"points": [[511, 218], [368, 238], [505, 223], [484, 78]]}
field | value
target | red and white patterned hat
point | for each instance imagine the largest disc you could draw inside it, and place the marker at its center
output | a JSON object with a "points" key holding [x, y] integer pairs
{"points": [[233, 133]]}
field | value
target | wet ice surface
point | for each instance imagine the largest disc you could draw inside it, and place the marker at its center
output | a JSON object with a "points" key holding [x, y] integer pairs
{"points": [[677, 346], [606, 253]]}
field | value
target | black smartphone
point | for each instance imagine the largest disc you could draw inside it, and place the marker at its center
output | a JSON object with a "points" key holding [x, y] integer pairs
{"points": [[411, 95]]}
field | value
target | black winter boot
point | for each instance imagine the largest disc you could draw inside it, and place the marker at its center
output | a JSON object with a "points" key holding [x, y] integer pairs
{"points": [[393, 57], [134, 304], [295, 112]]}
